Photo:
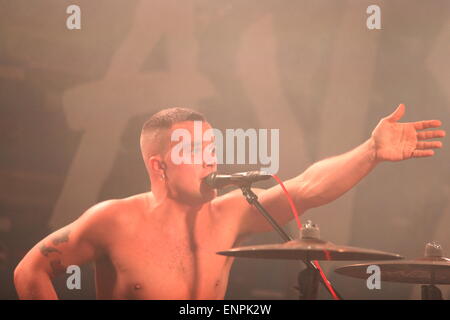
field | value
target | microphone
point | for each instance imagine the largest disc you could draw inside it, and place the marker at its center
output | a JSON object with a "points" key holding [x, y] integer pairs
{"points": [[239, 179]]}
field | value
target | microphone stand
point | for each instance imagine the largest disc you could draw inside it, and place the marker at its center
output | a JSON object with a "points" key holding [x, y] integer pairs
{"points": [[309, 278]]}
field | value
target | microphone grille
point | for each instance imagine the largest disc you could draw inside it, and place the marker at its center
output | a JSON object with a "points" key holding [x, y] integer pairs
{"points": [[210, 178]]}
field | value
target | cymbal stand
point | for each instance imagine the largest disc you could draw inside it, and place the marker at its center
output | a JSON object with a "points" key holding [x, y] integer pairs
{"points": [[309, 278]]}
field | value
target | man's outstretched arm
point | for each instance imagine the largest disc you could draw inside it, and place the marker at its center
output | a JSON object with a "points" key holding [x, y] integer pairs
{"points": [[328, 179]]}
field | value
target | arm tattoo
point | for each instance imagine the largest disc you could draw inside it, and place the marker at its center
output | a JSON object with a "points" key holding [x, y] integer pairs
{"points": [[55, 264], [57, 267], [63, 237], [46, 250]]}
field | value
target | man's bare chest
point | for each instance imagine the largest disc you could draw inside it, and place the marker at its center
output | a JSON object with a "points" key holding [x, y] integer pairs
{"points": [[157, 264]]}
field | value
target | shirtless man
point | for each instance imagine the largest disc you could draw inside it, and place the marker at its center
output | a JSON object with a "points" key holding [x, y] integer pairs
{"points": [[162, 244]]}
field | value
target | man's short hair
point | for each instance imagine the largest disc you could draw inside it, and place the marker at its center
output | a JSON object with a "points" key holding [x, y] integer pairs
{"points": [[154, 134]]}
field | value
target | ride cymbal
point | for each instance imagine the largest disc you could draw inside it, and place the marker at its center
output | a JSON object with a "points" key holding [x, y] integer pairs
{"points": [[430, 269], [309, 247]]}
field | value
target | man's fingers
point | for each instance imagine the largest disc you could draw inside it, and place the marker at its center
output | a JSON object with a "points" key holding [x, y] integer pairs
{"points": [[430, 134], [428, 144], [420, 125], [422, 153]]}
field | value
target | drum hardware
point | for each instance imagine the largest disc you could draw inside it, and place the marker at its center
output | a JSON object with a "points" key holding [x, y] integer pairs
{"points": [[430, 270]]}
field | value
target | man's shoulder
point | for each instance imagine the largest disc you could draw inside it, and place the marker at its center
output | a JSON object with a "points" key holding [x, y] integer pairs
{"points": [[115, 210], [105, 222]]}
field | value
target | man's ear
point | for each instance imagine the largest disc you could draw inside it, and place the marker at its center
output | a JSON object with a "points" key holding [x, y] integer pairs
{"points": [[157, 165]]}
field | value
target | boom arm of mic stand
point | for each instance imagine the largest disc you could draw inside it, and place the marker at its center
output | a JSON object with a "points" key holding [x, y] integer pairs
{"points": [[252, 199]]}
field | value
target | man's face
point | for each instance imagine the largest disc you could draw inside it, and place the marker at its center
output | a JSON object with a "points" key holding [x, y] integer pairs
{"points": [[185, 180]]}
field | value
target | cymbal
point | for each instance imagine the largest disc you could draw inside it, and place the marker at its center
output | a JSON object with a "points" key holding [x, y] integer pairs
{"points": [[309, 249], [430, 269]]}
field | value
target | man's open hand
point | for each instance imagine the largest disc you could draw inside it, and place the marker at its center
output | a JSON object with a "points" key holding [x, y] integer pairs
{"points": [[394, 141]]}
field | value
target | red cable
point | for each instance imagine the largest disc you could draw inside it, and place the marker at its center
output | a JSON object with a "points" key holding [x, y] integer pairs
{"points": [[291, 203], [297, 218]]}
